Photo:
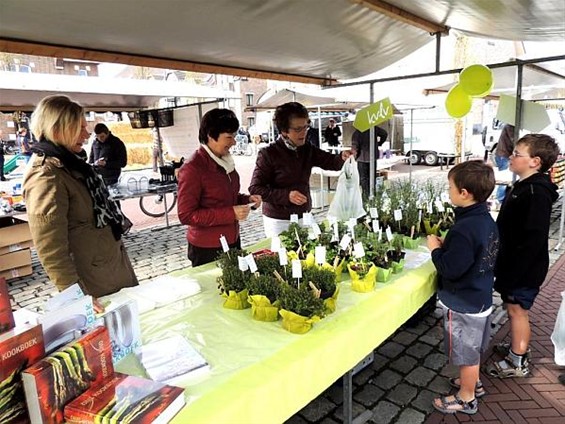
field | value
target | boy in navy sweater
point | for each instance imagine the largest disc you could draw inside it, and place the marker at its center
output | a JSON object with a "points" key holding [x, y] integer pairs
{"points": [[465, 264], [523, 261]]}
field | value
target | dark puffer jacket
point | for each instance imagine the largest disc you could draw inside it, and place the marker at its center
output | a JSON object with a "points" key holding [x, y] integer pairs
{"points": [[115, 153], [523, 224]]}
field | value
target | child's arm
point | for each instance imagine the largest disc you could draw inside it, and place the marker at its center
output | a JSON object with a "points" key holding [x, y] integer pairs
{"points": [[457, 259]]}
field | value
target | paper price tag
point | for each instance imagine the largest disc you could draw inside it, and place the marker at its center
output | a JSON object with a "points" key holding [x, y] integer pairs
{"points": [[345, 240], [376, 226], [379, 235], [320, 253], [335, 236], [307, 219], [294, 218], [398, 215], [283, 257], [275, 244], [440, 208], [374, 213], [296, 268], [251, 263], [430, 208], [224, 244], [316, 229], [358, 250], [242, 263], [420, 215], [388, 234], [444, 197], [311, 234]]}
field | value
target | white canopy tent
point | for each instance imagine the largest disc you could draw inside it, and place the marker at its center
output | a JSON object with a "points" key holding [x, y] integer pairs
{"points": [[314, 41]]}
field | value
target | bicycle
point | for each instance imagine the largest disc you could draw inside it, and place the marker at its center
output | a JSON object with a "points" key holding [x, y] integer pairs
{"points": [[152, 204]]}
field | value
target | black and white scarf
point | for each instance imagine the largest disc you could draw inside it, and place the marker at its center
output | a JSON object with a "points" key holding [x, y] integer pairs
{"points": [[106, 211]]}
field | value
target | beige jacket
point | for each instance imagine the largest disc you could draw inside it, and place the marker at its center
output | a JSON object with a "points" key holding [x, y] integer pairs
{"points": [[69, 246]]}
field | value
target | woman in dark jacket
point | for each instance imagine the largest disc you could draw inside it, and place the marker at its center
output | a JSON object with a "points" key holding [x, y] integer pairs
{"points": [[209, 201], [282, 172]]}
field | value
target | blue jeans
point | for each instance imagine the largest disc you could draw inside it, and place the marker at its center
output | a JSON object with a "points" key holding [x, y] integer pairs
{"points": [[502, 163]]}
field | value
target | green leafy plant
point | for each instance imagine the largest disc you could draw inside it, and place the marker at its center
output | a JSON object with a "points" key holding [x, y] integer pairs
{"points": [[232, 278], [322, 278], [301, 301], [265, 285]]}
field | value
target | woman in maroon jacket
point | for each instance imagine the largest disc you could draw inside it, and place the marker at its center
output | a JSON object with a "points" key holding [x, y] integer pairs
{"points": [[282, 172], [209, 201]]}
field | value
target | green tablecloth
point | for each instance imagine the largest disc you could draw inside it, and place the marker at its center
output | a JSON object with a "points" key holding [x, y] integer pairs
{"points": [[260, 373]]}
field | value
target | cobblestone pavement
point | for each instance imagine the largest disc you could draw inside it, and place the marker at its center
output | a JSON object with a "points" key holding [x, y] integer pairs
{"points": [[409, 368]]}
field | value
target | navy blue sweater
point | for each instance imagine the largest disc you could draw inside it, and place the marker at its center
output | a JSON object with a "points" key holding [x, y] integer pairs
{"points": [[465, 262]]}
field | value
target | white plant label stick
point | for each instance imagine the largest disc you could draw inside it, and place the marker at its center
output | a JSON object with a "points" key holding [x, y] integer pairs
{"points": [[224, 244]]}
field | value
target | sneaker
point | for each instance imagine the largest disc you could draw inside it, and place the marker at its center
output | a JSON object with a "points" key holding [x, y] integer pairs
{"points": [[456, 405], [479, 389], [503, 349]]}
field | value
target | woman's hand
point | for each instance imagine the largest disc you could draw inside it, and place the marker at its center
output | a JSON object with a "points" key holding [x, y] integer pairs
{"points": [[297, 198], [345, 154], [255, 198], [241, 212], [98, 307]]}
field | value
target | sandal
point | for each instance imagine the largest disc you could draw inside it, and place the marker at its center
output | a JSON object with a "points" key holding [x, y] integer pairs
{"points": [[479, 389], [456, 405], [505, 369]]}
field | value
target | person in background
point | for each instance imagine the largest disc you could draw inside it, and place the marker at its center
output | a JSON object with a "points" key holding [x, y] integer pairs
{"points": [[332, 134], [465, 264], [24, 141], [209, 201], [157, 149], [360, 146], [75, 227], [312, 136], [2, 177], [108, 154], [523, 261], [502, 154], [282, 171]]}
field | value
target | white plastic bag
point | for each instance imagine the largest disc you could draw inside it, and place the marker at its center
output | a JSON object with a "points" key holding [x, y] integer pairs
{"points": [[558, 335], [347, 202]]}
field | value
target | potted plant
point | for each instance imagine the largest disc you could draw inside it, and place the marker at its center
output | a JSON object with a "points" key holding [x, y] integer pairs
{"points": [[263, 292], [324, 279], [301, 307], [363, 275], [232, 282], [397, 254]]}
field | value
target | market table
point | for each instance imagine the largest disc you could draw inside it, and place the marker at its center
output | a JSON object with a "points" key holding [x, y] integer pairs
{"points": [[261, 373]]}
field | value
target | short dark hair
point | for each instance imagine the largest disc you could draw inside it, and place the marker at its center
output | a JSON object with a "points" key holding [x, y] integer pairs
{"points": [[543, 146], [475, 176], [215, 122], [101, 128], [284, 113]]}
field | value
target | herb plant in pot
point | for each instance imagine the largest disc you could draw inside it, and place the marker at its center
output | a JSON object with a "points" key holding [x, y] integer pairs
{"points": [[301, 307], [232, 282]]}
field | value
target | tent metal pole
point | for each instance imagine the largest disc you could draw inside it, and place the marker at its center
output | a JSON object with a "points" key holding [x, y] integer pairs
{"points": [[411, 140], [518, 115], [438, 50], [320, 127], [372, 157]]}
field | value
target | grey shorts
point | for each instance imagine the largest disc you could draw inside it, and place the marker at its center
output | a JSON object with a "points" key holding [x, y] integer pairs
{"points": [[465, 337]]}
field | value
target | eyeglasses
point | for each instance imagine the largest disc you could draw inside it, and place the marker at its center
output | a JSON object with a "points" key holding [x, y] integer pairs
{"points": [[299, 129], [517, 154]]}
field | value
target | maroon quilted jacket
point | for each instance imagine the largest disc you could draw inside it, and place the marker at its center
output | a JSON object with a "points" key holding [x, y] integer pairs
{"points": [[206, 196], [279, 170]]}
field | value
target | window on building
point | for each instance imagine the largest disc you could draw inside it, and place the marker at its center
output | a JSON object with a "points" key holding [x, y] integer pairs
{"points": [[83, 72], [24, 68], [250, 121], [249, 99]]}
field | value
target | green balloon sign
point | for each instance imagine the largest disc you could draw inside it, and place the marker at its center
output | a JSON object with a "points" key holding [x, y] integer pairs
{"points": [[373, 115], [458, 103], [476, 80]]}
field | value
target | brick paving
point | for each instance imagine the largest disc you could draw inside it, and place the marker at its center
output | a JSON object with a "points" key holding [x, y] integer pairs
{"points": [[409, 369]]}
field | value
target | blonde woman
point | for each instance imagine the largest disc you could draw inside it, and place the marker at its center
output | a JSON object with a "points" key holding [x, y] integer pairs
{"points": [[75, 227]]}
